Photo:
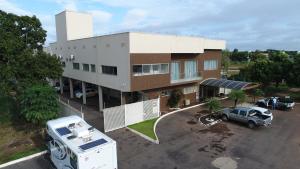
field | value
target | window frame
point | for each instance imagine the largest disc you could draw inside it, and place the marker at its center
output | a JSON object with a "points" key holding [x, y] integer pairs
{"points": [[115, 73], [151, 71], [93, 68], [76, 63], [83, 67], [209, 68]]}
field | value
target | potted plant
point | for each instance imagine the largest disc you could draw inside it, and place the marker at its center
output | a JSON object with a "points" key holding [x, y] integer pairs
{"points": [[213, 105]]}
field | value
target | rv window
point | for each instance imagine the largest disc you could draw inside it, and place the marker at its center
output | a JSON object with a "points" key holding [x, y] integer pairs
{"points": [[73, 160]]}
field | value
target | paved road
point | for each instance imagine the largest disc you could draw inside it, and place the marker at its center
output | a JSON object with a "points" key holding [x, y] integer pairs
{"points": [[186, 145]]}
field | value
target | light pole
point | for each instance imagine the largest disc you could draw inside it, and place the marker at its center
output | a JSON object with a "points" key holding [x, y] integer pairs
{"points": [[25, 29]]}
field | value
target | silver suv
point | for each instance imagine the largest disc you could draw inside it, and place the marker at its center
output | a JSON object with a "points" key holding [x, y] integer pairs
{"points": [[253, 116]]}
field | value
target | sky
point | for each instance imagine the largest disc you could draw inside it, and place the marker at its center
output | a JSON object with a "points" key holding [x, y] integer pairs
{"points": [[244, 24]]}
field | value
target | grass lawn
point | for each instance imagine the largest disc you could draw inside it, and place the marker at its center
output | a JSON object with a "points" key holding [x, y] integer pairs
{"points": [[18, 139], [145, 127]]}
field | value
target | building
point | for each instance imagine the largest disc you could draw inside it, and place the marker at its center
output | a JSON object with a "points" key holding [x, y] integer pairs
{"points": [[133, 66]]}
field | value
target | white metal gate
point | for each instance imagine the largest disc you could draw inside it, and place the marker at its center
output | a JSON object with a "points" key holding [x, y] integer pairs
{"points": [[124, 115]]}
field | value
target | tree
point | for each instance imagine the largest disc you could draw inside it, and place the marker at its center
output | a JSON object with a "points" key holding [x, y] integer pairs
{"points": [[22, 59], [175, 97], [259, 71], [39, 103], [225, 60], [257, 93], [237, 95], [213, 104]]}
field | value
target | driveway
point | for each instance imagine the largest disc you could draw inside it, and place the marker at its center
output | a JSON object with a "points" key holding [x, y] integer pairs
{"points": [[186, 145]]}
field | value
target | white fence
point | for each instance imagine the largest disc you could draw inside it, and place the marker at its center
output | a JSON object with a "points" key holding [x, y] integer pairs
{"points": [[124, 115], [67, 110]]}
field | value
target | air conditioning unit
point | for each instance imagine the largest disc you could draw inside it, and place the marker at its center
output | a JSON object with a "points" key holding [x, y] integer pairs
{"points": [[187, 102], [72, 57]]}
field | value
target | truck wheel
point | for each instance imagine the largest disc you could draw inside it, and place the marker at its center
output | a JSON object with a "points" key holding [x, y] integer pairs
{"points": [[251, 124], [224, 118]]}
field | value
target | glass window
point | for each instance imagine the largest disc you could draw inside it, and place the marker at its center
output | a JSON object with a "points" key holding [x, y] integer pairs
{"points": [[243, 112], [137, 69], [210, 64], [110, 70], [190, 69], [188, 90], [175, 71], [93, 68], [164, 68], [76, 66], [63, 64], [86, 67], [235, 111], [166, 93], [155, 69], [146, 69]]}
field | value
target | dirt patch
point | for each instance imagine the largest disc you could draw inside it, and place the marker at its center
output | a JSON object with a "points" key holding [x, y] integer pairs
{"points": [[192, 122], [18, 143], [219, 128]]}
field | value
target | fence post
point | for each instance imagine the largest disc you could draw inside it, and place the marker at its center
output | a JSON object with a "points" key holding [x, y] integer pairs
{"points": [[82, 115], [68, 102], [81, 109]]}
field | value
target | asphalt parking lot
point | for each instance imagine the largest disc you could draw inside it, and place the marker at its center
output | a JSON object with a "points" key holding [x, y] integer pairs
{"points": [[189, 145]]}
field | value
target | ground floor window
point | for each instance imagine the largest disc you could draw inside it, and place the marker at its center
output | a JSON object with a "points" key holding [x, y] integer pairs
{"points": [[191, 89], [76, 66]]}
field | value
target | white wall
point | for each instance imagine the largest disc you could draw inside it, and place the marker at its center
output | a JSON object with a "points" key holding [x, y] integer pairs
{"points": [[156, 43], [72, 25], [110, 50]]}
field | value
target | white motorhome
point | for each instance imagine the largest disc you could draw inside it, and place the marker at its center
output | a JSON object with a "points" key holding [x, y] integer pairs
{"points": [[74, 144]]}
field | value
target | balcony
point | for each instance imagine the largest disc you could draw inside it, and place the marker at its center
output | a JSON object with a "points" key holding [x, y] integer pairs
{"points": [[185, 77]]}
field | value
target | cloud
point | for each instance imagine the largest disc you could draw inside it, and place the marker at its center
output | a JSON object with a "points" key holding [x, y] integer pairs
{"points": [[13, 8], [133, 18], [101, 21], [68, 4]]}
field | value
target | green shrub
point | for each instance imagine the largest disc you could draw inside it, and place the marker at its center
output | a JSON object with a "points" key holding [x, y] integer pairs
{"points": [[39, 103], [213, 104], [175, 97]]}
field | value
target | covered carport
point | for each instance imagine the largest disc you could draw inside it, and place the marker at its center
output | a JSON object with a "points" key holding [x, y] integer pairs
{"points": [[211, 87]]}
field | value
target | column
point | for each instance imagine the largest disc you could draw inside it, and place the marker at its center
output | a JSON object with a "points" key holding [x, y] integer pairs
{"points": [[83, 93], [100, 94], [61, 85], [71, 88], [123, 100]]}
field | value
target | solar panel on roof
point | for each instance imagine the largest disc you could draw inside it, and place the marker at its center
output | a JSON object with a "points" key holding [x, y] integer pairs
{"points": [[63, 131], [93, 144]]}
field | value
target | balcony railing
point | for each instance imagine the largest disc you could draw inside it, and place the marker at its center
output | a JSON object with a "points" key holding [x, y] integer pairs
{"points": [[185, 77]]}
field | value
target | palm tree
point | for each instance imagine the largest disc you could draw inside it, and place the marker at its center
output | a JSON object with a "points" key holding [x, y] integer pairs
{"points": [[257, 93], [213, 104], [237, 95]]}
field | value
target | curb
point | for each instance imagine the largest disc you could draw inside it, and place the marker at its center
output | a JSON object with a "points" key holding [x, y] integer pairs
{"points": [[143, 135], [23, 159], [173, 112]]}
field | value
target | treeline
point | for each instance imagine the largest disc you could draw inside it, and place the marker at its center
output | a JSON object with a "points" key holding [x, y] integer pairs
{"points": [[266, 67]]}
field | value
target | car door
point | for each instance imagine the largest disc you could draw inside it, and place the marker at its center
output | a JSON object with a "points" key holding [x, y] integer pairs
{"points": [[233, 114], [242, 116]]}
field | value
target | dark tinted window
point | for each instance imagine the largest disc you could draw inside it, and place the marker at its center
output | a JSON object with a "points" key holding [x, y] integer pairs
{"points": [[243, 112], [76, 66], [235, 111], [111, 70]]}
